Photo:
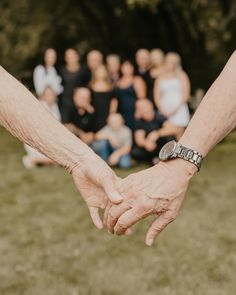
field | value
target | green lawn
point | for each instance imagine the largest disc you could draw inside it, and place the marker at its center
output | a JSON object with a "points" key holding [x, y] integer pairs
{"points": [[48, 245]]}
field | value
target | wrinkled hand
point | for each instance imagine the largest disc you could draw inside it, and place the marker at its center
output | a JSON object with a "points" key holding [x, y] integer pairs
{"points": [[97, 184], [159, 190]]}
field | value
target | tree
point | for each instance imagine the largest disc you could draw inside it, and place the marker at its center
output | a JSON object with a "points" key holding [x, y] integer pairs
{"points": [[202, 31]]}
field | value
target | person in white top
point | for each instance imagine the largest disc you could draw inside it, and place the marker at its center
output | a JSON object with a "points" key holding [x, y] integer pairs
{"points": [[45, 75], [171, 93], [34, 157]]}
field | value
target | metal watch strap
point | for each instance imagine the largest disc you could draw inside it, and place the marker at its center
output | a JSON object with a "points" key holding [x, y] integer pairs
{"points": [[189, 155]]}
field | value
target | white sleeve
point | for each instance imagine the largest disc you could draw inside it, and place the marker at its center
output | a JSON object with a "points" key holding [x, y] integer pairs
{"points": [[39, 79], [54, 81]]}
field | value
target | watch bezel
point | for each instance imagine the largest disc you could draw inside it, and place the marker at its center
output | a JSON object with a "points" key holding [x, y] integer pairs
{"points": [[167, 150]]}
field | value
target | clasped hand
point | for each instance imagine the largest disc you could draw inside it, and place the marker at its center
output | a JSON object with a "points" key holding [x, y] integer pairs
{"points": [[158, 191]]}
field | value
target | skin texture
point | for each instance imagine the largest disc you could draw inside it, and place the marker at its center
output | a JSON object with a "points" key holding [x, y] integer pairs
{"points": [[160, 190], [27, 119]]}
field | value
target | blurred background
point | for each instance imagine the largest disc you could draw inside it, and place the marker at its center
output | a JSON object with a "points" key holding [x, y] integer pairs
{"points": [[98, 66], [202, 31]]}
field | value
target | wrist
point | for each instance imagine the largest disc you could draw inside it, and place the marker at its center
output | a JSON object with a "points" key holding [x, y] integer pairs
{"points": [[78, 162], [193, 144], [182, 166]]}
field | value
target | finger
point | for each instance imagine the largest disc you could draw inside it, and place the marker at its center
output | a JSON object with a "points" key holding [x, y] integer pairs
{"points": [[94, 213], [105, 216], [128, 232], [128, 219], [110, 187], [157, 226], [114, 213]]}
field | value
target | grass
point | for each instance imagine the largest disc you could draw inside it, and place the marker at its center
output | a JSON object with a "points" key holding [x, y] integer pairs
{"points": [[48, 245]]}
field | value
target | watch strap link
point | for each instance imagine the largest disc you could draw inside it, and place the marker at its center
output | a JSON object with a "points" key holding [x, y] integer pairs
{"points": [[189, 155]]}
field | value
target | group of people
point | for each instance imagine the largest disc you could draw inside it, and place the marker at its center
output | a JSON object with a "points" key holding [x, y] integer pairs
{"points": [[121, 110]]}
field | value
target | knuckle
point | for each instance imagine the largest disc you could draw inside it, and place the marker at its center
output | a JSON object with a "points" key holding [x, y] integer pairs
{"points": [[157, 229], [121, 225], [170, 217], [111, 215], [145, 207]]}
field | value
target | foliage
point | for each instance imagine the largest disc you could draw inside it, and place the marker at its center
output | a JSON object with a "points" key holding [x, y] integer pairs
{"points": [[202, 31]]}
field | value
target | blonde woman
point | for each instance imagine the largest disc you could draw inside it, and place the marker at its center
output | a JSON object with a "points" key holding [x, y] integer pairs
{"points": [[103, 97], [171, 94]]}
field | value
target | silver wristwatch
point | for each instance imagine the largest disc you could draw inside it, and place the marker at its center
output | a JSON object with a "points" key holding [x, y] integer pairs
{"points": [[172, 150]]}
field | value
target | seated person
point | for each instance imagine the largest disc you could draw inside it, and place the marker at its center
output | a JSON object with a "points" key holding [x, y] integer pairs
{"points": [[147, 141], [33, 157], [114, 142], [81, 118]]}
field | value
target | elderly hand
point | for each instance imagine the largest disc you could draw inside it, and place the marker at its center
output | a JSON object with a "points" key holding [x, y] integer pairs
{"points": [[159, 190], [97, 184]]}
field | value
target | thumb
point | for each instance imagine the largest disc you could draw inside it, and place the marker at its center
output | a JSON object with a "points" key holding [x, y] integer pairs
{"points": [[110, 185]]}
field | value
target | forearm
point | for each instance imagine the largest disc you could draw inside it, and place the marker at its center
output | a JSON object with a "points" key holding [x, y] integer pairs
{"points": [[216, 115], [27, 119], [140, 138], [140, 142], [123, 150], [101, 136]]}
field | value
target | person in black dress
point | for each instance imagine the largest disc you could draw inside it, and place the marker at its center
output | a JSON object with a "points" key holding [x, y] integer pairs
{"points": [[103, 96], [129, 89], [72, 76]]}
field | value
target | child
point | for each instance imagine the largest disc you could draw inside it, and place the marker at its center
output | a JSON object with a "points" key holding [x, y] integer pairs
{"points": [[114, 142], [33, 157]]}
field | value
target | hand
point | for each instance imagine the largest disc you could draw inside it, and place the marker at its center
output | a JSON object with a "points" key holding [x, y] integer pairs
{"points": [[159, 190], [166, 114], [153, 136], [114, 159], [149, 145], [113, 142], [97, 184], [89, 108], [87, 137]]}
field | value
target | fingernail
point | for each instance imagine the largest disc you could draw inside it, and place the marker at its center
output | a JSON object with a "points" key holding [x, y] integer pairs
{"points": [[128, 232], [149, 242], [116, 197]]}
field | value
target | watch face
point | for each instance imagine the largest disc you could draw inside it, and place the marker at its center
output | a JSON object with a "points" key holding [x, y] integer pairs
{"points": [[167, 151]]}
